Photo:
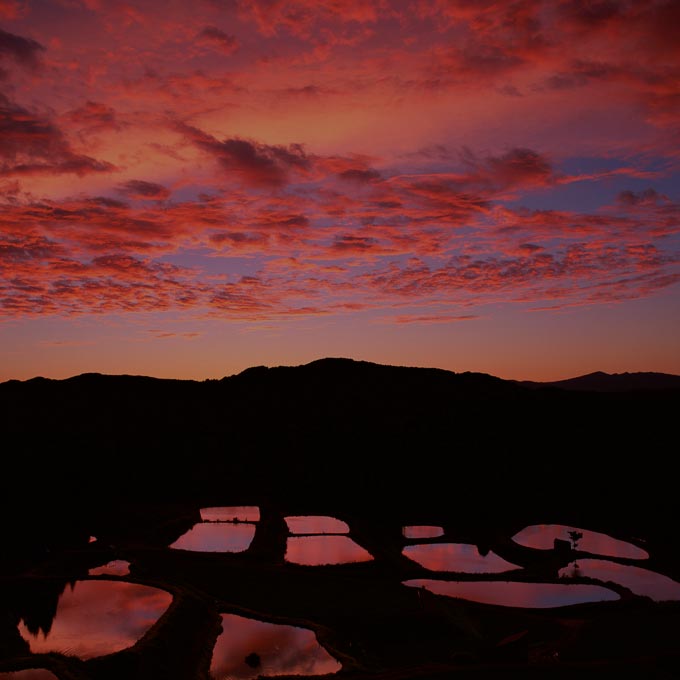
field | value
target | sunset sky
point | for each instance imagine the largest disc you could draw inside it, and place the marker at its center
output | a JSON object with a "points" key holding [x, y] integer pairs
{"points": [[188, 189]]}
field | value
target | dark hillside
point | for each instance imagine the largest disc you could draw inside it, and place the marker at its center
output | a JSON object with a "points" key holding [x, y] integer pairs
{"points": [[353, 432]]}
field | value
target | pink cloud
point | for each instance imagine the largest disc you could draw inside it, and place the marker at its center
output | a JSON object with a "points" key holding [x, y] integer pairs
{"points": [[648, 197], [253, 163], [94, 116], [349, 243], [24, 51], [11, 9], [517, 167], [213, 37], [374, 208], [167, 334], [435, 318], [301, 16], [360, 175], [31, 144], [140, 189]]}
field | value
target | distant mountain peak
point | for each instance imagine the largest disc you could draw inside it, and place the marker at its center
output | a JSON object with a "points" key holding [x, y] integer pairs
{"points": [[599, 381], [337, 368]]}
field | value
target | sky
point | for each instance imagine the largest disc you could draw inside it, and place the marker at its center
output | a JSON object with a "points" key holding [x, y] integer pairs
{"points": [[188, 189]]}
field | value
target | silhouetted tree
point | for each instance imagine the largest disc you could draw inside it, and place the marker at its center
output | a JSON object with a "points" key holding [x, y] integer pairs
{"points": [[575, 537]]}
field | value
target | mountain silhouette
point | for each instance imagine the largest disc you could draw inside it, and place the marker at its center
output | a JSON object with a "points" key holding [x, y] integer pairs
{"points": [[614, 382], [336, 431]]}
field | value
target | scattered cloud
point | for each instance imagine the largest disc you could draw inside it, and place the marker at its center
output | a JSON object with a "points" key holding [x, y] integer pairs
{"points": [[434, 318], [31, 145], [139, 189], [250, 162], [94, 116], [213, 37], [642, 198], [24, 51], [162, 335], [263, 159]]}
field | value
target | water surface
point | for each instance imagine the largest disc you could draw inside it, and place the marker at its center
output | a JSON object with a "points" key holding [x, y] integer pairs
{"points": [[318, 550], [216, 537], [422, 531], [638, 580], [542, 537], [461, 557], [231, 513], [113, 568], [99, 617], [271, 649], [515, 594], [315, 524]]}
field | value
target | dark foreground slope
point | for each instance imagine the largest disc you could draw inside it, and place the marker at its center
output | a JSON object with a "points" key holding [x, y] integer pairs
{"points": [[358, 433], [131, 460]]}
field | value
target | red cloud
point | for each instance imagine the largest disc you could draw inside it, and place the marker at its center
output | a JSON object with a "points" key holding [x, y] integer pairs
{"points": [[24, 51], [518, 167], [112, 283], [17, 249], [11, 9], [39, 276], [32, 145], [139, 189], [95, 116], [240, 240], [167, 334], [445, 193], [300, 17], [581, 271], [214, 37], [253, 163], [648, 197], [360, 175], [591, 14], [435, 318], [354, 244]]}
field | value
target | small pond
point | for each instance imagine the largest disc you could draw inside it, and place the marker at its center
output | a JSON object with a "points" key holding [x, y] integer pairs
{"points": [[99, 617], [422, 531], [113, 568], [315, 524], [216, 537], [516, 594], [638, 580], [460, 557], [542, 537], [231, 513], [247, 648], [320, 550]]}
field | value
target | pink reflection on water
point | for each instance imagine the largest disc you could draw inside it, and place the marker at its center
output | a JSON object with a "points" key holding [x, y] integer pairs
{"points": [[638, 580], [515, 594], [113, 568], [315, 524], [29, 674], [216, 537], [231, 513], [282, 650], [100, 617], [318, 550], [422, 531], [460, 557], [542, 537]]}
